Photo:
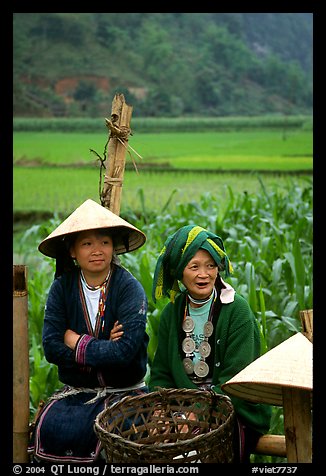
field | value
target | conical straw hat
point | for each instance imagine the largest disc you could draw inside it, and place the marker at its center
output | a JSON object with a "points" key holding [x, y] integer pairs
{"points": [[91, 216], [287, 365]]}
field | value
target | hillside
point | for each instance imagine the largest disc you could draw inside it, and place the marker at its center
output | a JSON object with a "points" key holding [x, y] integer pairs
{"points": [[166, 64]]}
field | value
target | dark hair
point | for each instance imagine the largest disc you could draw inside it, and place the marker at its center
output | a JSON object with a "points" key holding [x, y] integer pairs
{"points": [[221, 265], [64, 262]]}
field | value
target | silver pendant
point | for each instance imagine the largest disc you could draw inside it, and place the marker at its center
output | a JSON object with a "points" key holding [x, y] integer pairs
{"points": [[208, 329], [188, 324], [188, 365], [201, 369], [204, 349], [188, 345]]}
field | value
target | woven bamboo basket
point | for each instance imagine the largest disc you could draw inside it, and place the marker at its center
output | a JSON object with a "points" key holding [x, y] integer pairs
{"points": [[168, 426]]}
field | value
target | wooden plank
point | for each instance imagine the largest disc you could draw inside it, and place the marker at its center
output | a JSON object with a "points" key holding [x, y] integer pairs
{"points": [[306, 317], [297, 425]]}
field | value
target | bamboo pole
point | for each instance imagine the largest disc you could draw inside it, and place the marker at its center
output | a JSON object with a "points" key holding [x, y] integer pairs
{"points": [[20, 365], [273, 445], [119, 127]]}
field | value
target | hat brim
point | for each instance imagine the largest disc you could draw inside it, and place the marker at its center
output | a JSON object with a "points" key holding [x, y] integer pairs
{"points": [[92, 216], [287, 365]]}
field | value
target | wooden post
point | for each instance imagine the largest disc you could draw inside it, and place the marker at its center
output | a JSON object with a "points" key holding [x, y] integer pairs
{"points": [[297, 424], [119, 127], [20, 365], [306, 317]]}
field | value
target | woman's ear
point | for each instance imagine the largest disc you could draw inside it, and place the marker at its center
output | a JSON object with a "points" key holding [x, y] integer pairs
{"points": [[72, 252]]}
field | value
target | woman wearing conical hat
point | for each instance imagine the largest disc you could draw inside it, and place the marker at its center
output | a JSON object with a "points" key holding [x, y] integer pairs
{"points": [[207, 332], [94, 331]]}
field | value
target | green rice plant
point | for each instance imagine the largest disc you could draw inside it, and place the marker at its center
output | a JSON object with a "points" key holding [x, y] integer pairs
{"points": [[214, 150], [160, 124]]}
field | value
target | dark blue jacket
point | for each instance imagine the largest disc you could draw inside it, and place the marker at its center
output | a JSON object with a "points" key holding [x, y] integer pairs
{"points": [[97, 361]]}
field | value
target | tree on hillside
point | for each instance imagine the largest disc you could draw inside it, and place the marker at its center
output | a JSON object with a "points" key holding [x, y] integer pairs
{"points": [[192, 64]]}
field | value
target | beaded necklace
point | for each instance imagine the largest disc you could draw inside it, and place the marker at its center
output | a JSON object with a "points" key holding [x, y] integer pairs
{"points": [[102, 298]]}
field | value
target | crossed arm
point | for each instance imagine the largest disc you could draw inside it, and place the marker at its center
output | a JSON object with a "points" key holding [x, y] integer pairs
{"points": [[71, 337]]}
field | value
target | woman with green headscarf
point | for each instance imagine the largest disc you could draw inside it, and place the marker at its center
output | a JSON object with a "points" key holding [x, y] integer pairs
{"points": [[207, 332]]}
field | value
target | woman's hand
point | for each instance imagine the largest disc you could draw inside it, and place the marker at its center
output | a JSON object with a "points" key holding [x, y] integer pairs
{"points": [[71, 338], [116, 331]]}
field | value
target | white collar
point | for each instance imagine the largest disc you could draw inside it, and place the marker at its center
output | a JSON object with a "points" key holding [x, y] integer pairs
{"points": [[227, 293]]}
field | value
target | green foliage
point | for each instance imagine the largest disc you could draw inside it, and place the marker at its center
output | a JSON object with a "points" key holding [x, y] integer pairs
{"points": [[44, 377], [171, 64], [171, 124]]}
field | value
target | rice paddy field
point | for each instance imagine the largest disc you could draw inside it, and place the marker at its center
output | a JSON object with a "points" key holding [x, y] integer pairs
{"points": [[55, 171], [245, 150]]}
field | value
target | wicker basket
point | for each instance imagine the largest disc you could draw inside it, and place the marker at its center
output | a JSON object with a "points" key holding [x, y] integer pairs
{"points": [[157, 428]]}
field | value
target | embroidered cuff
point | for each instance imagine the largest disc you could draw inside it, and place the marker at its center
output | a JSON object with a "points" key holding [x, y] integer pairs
{"points": [[80, 349]]}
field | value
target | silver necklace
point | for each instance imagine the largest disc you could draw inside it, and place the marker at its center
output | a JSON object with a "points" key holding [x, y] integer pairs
{"points": [[200, 368], [201, 301]]}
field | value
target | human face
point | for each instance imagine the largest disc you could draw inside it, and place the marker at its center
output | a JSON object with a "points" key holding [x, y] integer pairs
{"points": [[93, 251], [200, 274]]}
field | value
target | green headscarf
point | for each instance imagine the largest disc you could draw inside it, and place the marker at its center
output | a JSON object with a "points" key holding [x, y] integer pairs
{"points": [[176, 253]]}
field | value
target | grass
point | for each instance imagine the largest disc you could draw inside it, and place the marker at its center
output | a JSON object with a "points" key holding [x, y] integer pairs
{"points": [[63, 189], [250, 150]]}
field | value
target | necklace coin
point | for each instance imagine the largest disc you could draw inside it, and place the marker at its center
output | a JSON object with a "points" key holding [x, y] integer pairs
{"points": [[201, 369], [208, 329], [188, 345], [188, 324], [204, 349], [188, 365]]}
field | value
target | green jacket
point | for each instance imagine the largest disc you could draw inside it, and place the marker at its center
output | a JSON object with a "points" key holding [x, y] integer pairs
{"points": [[235, 344]]}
